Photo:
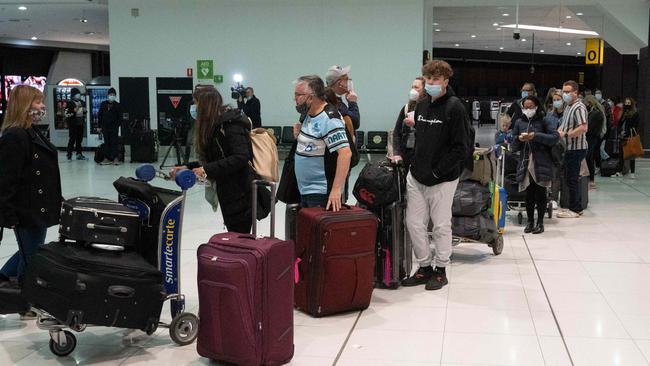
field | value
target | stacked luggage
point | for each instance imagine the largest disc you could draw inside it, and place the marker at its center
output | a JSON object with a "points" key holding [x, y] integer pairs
{"points": [[381, 187]]}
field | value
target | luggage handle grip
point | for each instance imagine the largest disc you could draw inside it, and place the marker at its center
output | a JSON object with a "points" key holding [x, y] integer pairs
{"points": [[272, 185], [121, 292], [116, 229], [343, 205]]}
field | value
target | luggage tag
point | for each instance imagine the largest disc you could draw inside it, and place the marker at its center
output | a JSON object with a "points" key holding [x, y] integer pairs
{"points": [[296, 272]]}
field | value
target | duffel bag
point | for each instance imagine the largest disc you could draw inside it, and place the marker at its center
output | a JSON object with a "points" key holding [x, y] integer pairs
{"points": [[480, 227], [376, 186], [470, 199]]}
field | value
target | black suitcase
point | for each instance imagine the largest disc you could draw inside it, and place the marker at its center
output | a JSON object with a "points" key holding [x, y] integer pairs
{"points": [[99, 220], [79, 285], [610, 167], [12, 301], [290, 217], [144, 147], [394, 258], [100, 153], [583, 185]]}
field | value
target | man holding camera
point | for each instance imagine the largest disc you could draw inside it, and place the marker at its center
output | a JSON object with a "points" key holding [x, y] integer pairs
{"points": [[251, 107]]}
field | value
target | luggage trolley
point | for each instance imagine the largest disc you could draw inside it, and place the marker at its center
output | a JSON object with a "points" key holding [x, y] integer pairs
{"points": [[496, 211], [183, 329]]}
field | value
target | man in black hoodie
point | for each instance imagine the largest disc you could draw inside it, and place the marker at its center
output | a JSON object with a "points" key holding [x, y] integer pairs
{"points": [[441, 145]]}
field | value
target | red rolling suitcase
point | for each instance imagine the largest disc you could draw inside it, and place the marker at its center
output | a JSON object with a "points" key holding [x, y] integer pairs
{"points": [[336, 260], [245, 297]]}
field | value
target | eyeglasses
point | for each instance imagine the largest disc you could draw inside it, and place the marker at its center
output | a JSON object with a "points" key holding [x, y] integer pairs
{"points": [[296, 95]]}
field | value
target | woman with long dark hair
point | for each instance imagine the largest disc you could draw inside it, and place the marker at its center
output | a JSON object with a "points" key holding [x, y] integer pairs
{"points": [[629, 121], [533, 136], [223, 145]]}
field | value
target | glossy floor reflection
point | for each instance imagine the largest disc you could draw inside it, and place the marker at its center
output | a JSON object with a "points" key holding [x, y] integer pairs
{"points": [[495, 311]]}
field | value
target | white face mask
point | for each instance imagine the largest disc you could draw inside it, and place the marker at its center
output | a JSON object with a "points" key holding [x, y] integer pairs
{"points": [[37, 115], [530, 112], [414, 95]]}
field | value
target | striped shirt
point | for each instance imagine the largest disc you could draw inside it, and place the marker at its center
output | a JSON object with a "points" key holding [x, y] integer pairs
{"points": [[574, 116]]}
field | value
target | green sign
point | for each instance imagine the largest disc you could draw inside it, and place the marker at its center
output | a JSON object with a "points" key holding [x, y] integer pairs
{"points": [[204, 69], [218, 79]]}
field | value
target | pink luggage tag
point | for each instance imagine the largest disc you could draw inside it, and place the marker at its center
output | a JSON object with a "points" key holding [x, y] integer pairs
{"points": [[296, 273]]}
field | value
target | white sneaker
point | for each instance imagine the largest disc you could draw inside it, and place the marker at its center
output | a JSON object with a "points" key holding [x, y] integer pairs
{"points": [[105, 162], [632, 176], [568, 214], [554, 204]]}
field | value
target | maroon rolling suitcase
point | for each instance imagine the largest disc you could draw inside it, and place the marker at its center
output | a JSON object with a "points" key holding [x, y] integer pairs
{"points": [[245, 296], [336, 260]]}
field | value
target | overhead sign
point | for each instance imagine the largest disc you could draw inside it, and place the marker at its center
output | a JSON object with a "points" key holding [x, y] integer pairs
{"points": [[594, 49], [175, 100], [70, 81], [204, 69]]}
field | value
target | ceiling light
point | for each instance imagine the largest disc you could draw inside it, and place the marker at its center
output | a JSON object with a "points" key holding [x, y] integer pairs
{"points": [[568, 16], [83, 20], [523, 39], [495, 24], [505, 14], [486, 47], [473, 36], [34, 38], [501, 47], [579, 53], [499, 28], [436, 24], [22, 8], [568, 43], [579, 14], [457, 45], [437, 30], [542, 51], [552, 29]]}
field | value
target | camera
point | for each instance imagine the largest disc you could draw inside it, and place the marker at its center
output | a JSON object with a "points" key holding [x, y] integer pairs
{"points": [[238, 91], [516, 34]]}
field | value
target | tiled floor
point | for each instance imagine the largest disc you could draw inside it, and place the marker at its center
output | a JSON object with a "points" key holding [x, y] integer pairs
{"points": [[591, 273]]}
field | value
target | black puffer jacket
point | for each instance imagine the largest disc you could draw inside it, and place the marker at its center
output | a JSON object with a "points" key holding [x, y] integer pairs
{"points": [[30, 182], [226, 163], [540, 145]]}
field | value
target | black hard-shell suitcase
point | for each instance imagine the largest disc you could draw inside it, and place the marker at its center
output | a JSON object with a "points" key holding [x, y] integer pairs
{"points": [[394, 258], [99, 220], [610, 167], [79, 285], [144, 147]]}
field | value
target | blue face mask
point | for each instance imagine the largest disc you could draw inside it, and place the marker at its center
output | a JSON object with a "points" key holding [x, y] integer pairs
{"points": [[567, 97], [557, 104], [111, 98], [524, 94], [434, 90], [193, 111]]}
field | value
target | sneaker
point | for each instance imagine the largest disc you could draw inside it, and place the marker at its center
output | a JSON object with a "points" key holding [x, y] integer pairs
{"points": [[28, 315], [422, 276], [105, 162], [81, 157], [69, 156], [438, 280], [568, 214], [554, 203], [632, 176], [116, 162], [592, 185]]}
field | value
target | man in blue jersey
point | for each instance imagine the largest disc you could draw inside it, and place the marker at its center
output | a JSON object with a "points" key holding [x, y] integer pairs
{"points": [[323, 152]]}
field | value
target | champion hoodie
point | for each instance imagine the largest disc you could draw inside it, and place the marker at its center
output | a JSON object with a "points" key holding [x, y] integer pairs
{"points": [[442, 139]]}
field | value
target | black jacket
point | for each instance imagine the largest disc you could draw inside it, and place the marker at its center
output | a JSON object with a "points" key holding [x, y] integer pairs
{"points": [[352, 110], [226, 163], [628, 122], [401, 131], [545, 137], [110, 115], [252, 109], [30, 182], [442, 139], [595, 121]]}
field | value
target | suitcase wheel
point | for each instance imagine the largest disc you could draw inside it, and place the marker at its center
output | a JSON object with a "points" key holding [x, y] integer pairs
{"points": [[520, 218], [497, 246], [184, 328], [64, 345]]}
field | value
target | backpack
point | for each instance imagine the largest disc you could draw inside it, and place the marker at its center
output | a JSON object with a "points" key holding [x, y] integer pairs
{"points": [[265, 154]]}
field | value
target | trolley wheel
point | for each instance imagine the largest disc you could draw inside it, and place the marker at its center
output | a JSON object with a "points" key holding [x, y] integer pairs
{"points": [[70, 344], [497, 246], [549, 209], [184, 328], [520, 218]]}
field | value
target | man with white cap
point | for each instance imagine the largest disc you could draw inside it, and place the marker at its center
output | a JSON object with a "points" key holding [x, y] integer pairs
{"points": [[338, 80]]}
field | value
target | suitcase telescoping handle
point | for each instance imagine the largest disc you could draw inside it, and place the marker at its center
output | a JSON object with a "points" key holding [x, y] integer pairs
{"points": [[271, 185], [115, 229]]}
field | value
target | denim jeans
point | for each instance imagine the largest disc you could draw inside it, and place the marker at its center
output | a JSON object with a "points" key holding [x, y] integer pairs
{"points": [[29, 238], [313, 200], [572, 161]]}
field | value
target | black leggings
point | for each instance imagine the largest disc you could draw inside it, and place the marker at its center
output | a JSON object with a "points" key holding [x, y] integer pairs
{"points": [[535, 195], [240, 227]]}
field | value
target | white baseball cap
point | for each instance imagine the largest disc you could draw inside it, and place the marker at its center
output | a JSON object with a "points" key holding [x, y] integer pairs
{"points": [[336, 72]]}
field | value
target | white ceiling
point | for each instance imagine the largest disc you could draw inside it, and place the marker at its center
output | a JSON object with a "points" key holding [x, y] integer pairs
{"points": [[457, 24], [55, 22]]}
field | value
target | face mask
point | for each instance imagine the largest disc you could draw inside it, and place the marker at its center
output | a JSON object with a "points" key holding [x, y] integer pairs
{"points": [[76, 97], [111, 98], [530, 112], [193, 111], [599, 97], [433, 90], [302, 108], [567, 97], [627, 107], [37, 114], [414, 95], [557, 104], [524, 94]]}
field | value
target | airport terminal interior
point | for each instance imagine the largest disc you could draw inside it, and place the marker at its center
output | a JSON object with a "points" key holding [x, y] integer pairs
{"points": [[576, 294]]}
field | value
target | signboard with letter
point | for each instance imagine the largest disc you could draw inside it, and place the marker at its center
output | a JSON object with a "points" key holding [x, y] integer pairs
{"points": [[594, 49]]}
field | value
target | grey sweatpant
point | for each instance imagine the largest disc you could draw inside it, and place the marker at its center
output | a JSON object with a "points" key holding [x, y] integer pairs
{"points": [[430, 203]]}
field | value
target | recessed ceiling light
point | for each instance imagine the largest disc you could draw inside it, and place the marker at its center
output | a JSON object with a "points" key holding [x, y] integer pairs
{"points": [[568, 16], [22, 8], [551, 29], [437, 30], [568, 43], [542, 51], [457, 45], [523, 39], [505, 14], [34, 38], [83, 20], [495, 24], [90, 33], [436, 24], [499, 28], [487, 47], [473, 36], [579, 53], [579, 14], [501, 47]]}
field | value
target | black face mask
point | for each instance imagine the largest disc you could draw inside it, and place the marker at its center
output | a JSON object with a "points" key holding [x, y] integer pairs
{"points": [[302, 108]]}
